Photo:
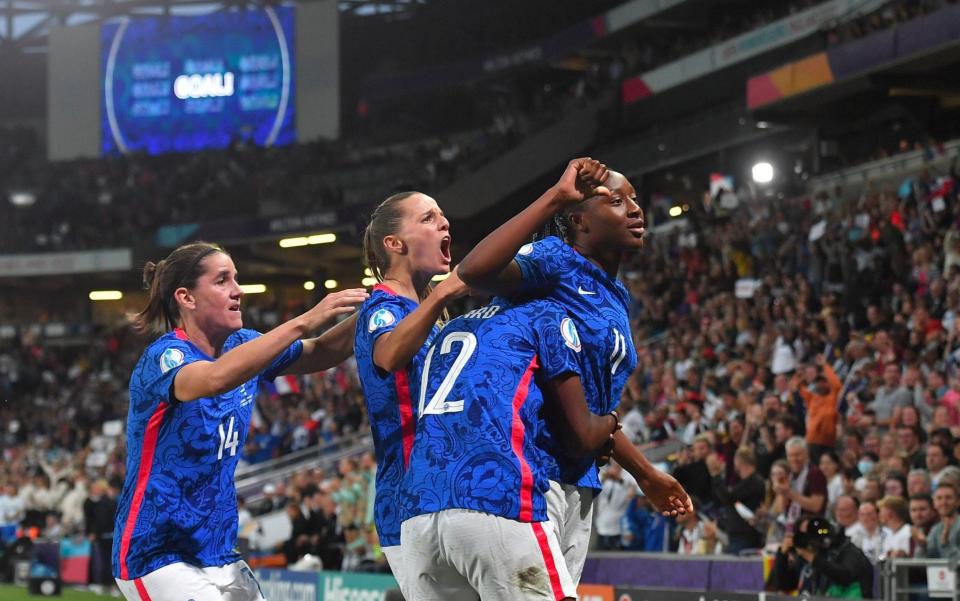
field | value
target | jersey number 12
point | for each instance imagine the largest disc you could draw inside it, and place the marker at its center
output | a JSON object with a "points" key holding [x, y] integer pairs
{"points": [[438, 402], [228, 440]]}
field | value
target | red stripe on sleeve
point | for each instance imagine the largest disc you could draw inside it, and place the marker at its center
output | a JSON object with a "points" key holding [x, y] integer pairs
{"points": [[143, 474]]}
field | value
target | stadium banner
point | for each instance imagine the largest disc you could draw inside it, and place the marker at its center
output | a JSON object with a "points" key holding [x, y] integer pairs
{"points": [[289, 585], [857, 58], [354, 586], [763, 39], [43, 264], [186, 83], [643, 594], [595, 592], [674, 571]]}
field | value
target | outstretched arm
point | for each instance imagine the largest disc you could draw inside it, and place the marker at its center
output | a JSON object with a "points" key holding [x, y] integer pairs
{"points": [[395, 349], [489, 267], [662, 489], [210, 378], [327, 350]]}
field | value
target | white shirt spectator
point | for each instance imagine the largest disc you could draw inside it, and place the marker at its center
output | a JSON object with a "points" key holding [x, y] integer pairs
{"points": [[870, 544], [635, 427], [71, 507], [615, 495], [11, 509], [896, 541]]}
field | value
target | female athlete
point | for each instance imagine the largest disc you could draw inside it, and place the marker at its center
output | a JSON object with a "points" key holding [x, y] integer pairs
{"points": [[406, 243], [191, 398]]}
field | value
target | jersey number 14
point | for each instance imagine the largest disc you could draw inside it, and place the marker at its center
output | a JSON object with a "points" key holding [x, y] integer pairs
{"points": [[229, 440]]}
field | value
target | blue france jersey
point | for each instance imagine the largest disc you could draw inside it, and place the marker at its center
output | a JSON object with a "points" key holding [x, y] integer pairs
{"points": [[480, 408], [391, 405], [179, 503], [599, 305]]}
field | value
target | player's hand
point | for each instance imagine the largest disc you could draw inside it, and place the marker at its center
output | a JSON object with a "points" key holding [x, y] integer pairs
{"points": [[606, 453], [582, 179], [666, 494], [333, 305]]}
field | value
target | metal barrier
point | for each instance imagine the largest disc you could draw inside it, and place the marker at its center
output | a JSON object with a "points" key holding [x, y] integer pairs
{"points": [[919, 579]]}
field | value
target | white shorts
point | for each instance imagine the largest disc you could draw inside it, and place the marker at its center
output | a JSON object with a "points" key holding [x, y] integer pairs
{"points": [[571, 510], [182, 581], [459, 554], [395, 560]]}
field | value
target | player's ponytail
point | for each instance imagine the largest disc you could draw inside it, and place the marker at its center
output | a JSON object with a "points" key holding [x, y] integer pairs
{"points": [[180, 269], [384, 221]]}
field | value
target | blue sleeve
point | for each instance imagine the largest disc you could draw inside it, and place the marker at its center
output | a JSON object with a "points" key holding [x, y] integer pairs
{"points": [[381, 318], [163, 363], [541, 262], [558, 342], [281, 362], [284, 360]]}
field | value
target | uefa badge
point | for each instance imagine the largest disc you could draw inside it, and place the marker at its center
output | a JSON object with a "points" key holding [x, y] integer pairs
{"points": [[569, 332], [169, 359], [381, 319]]}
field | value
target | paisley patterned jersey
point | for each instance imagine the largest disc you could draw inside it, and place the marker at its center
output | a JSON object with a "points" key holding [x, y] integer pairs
{"points": [[599, 305], [479, 408], [391, 407], [179, 503]]}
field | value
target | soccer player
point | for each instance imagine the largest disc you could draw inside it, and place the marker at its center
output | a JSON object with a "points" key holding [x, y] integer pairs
{"points": [[191, 398], [406, 243], [597, 215], [476, 520]]}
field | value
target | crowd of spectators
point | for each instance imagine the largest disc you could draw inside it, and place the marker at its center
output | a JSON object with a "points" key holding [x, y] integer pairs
{"points": [[806, 352], [890, 15]]}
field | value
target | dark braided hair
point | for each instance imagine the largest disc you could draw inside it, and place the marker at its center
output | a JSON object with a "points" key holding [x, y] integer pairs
{"points": [[180, 269], [555, 226]]}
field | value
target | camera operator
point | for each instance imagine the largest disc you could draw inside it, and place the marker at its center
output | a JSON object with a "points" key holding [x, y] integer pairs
{"points": [[818, 560]]}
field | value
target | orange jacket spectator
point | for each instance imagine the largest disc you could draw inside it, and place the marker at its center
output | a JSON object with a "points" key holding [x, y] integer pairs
{"points": [[822, 413]]}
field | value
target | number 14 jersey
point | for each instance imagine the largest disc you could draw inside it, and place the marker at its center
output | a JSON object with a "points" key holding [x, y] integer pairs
{"points": [[479, 411]]}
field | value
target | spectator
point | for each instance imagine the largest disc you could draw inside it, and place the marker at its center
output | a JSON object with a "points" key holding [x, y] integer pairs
{"points": [[871, 541], [644, 528], [808, 486], [99, 511], [937, 457], [821, 408], [890, 396], [71, 507], [943, 540], [617, 488], [918, 482], [830, 466], [698, 537], [694, 475], [895, 518], [847, 514], [747, 494], [909, 442], [922, 518]]}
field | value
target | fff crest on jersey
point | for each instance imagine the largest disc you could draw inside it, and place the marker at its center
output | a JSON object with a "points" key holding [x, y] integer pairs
{"points": [[526, 249], [381, 319], [170, 358], [570, 335]]}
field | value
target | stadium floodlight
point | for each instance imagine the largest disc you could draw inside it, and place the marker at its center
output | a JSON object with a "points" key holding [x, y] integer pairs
{"points": [[440, 277], [322, 239], [309, 285], [762, 172], [294, 242], [368, 281], [676, 211], [327, 238], [253, 288], [22, 198], [105, 295], [330, 284]]}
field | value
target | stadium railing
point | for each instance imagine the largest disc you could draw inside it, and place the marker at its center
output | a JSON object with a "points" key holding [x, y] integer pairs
{"points": [[250, 479], [906, 579]]}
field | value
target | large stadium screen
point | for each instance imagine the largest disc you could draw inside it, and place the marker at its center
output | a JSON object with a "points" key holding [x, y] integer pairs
{"points": [[174, 84]]}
